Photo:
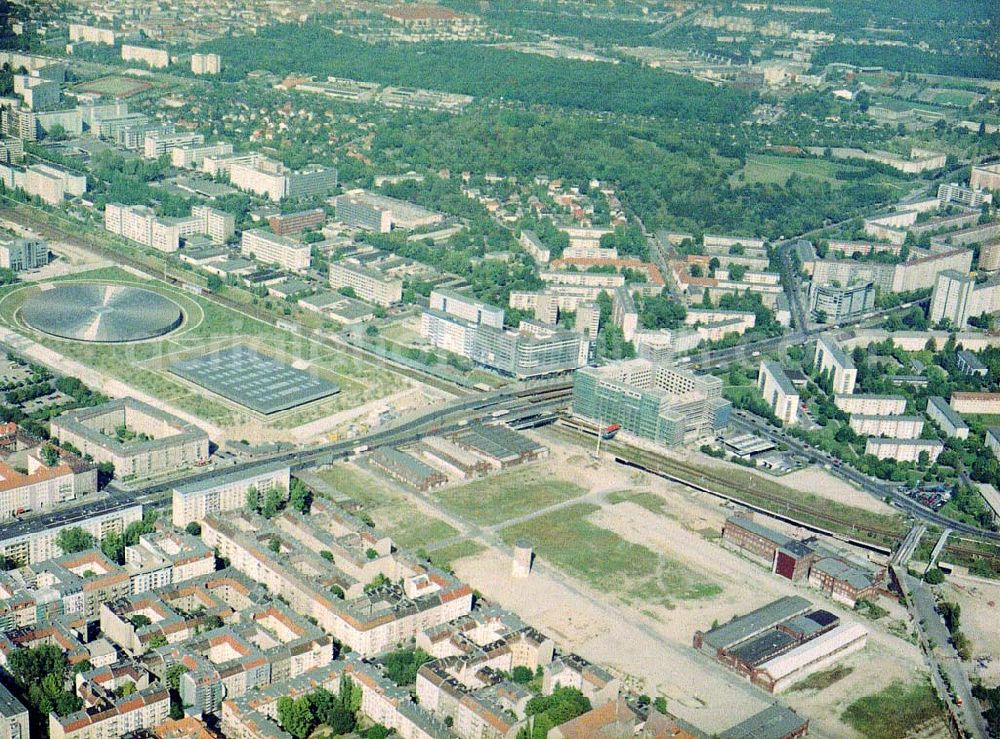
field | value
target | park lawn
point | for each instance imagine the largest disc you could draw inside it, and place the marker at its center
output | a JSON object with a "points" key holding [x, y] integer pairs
{"points": [[894, 711], [604, 560], [769, 169], [446, 556], [408, 527], [507, 495]]}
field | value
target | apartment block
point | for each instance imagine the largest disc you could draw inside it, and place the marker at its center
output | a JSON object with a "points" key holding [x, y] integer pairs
{"points": [[977, 403], [534, 247], [217, 225], [946, 418], [156, 58], [141, 224], [37, 93], [113, 716], [270, 248], [157, 143], [284, 224], [778, 391], [225, 492], [24, 254], [92, 34], [154, 440], [13, 717], [272, 179], [369, 622], [957, 297], [34, 540], [967, 196], [871, 405], [379, 213], [624, 313], [895, 426], [836, 303], [50, 183], [831, 358], [904, 450], [985, 177], [535, 349], [369, 284], [206, 63], [466, 308], [192, 155], [654, 401]]}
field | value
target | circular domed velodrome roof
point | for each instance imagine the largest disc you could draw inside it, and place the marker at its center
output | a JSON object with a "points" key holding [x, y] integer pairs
{"points": [[101, 313]]}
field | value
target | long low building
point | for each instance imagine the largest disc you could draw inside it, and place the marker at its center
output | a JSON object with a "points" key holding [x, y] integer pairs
{"points": [[904, 450], [783, 671], [946, 417], [897, 427], [871, 405], [981, 403]]}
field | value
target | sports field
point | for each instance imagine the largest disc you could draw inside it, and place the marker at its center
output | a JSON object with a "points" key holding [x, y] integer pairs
{"points": [[209, 326], [114, 86]]}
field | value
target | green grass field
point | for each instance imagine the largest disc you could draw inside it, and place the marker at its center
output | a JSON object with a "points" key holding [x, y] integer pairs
{"points": [[894, 711], [114, 86], [957, 98], [601, 558], [208, 325], [766, 168], [408, 527], [822, 679], [508, 495], [446, 556]]}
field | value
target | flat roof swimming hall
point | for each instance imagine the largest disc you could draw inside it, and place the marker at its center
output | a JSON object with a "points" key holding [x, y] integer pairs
{"points": [[254, 380]]}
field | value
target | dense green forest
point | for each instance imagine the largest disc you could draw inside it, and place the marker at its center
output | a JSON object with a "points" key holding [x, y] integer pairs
{"points": [[482, 71]]}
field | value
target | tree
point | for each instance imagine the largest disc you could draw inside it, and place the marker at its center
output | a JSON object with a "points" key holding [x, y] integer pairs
{"points": [[934, 576], [401, 665], [274, 501], [274, 544], [193, 528], [50, 455], [173, 675], [138, 621], [253, 499], [299, 496], [74, 539], [521, 675], [113, 546], [296, 716]]}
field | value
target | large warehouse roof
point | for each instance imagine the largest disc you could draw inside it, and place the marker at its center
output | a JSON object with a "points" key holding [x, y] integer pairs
{"points": [[254, 380]]}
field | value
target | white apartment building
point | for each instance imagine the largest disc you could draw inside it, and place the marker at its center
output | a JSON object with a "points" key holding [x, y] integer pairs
{"points": [[456, 337], [262, 177], [778, 391], [946, 418], [534, 247], [830, 357], [871, 405], [469, 309], [192, 155], [91, 34], [270, 248], [624, 313], [156, 58], [206, 63], [52, 184], [368, 284], [157, 143], [971, 197], [225, 492], [218, 225], [903, 450], [896, 427]]}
